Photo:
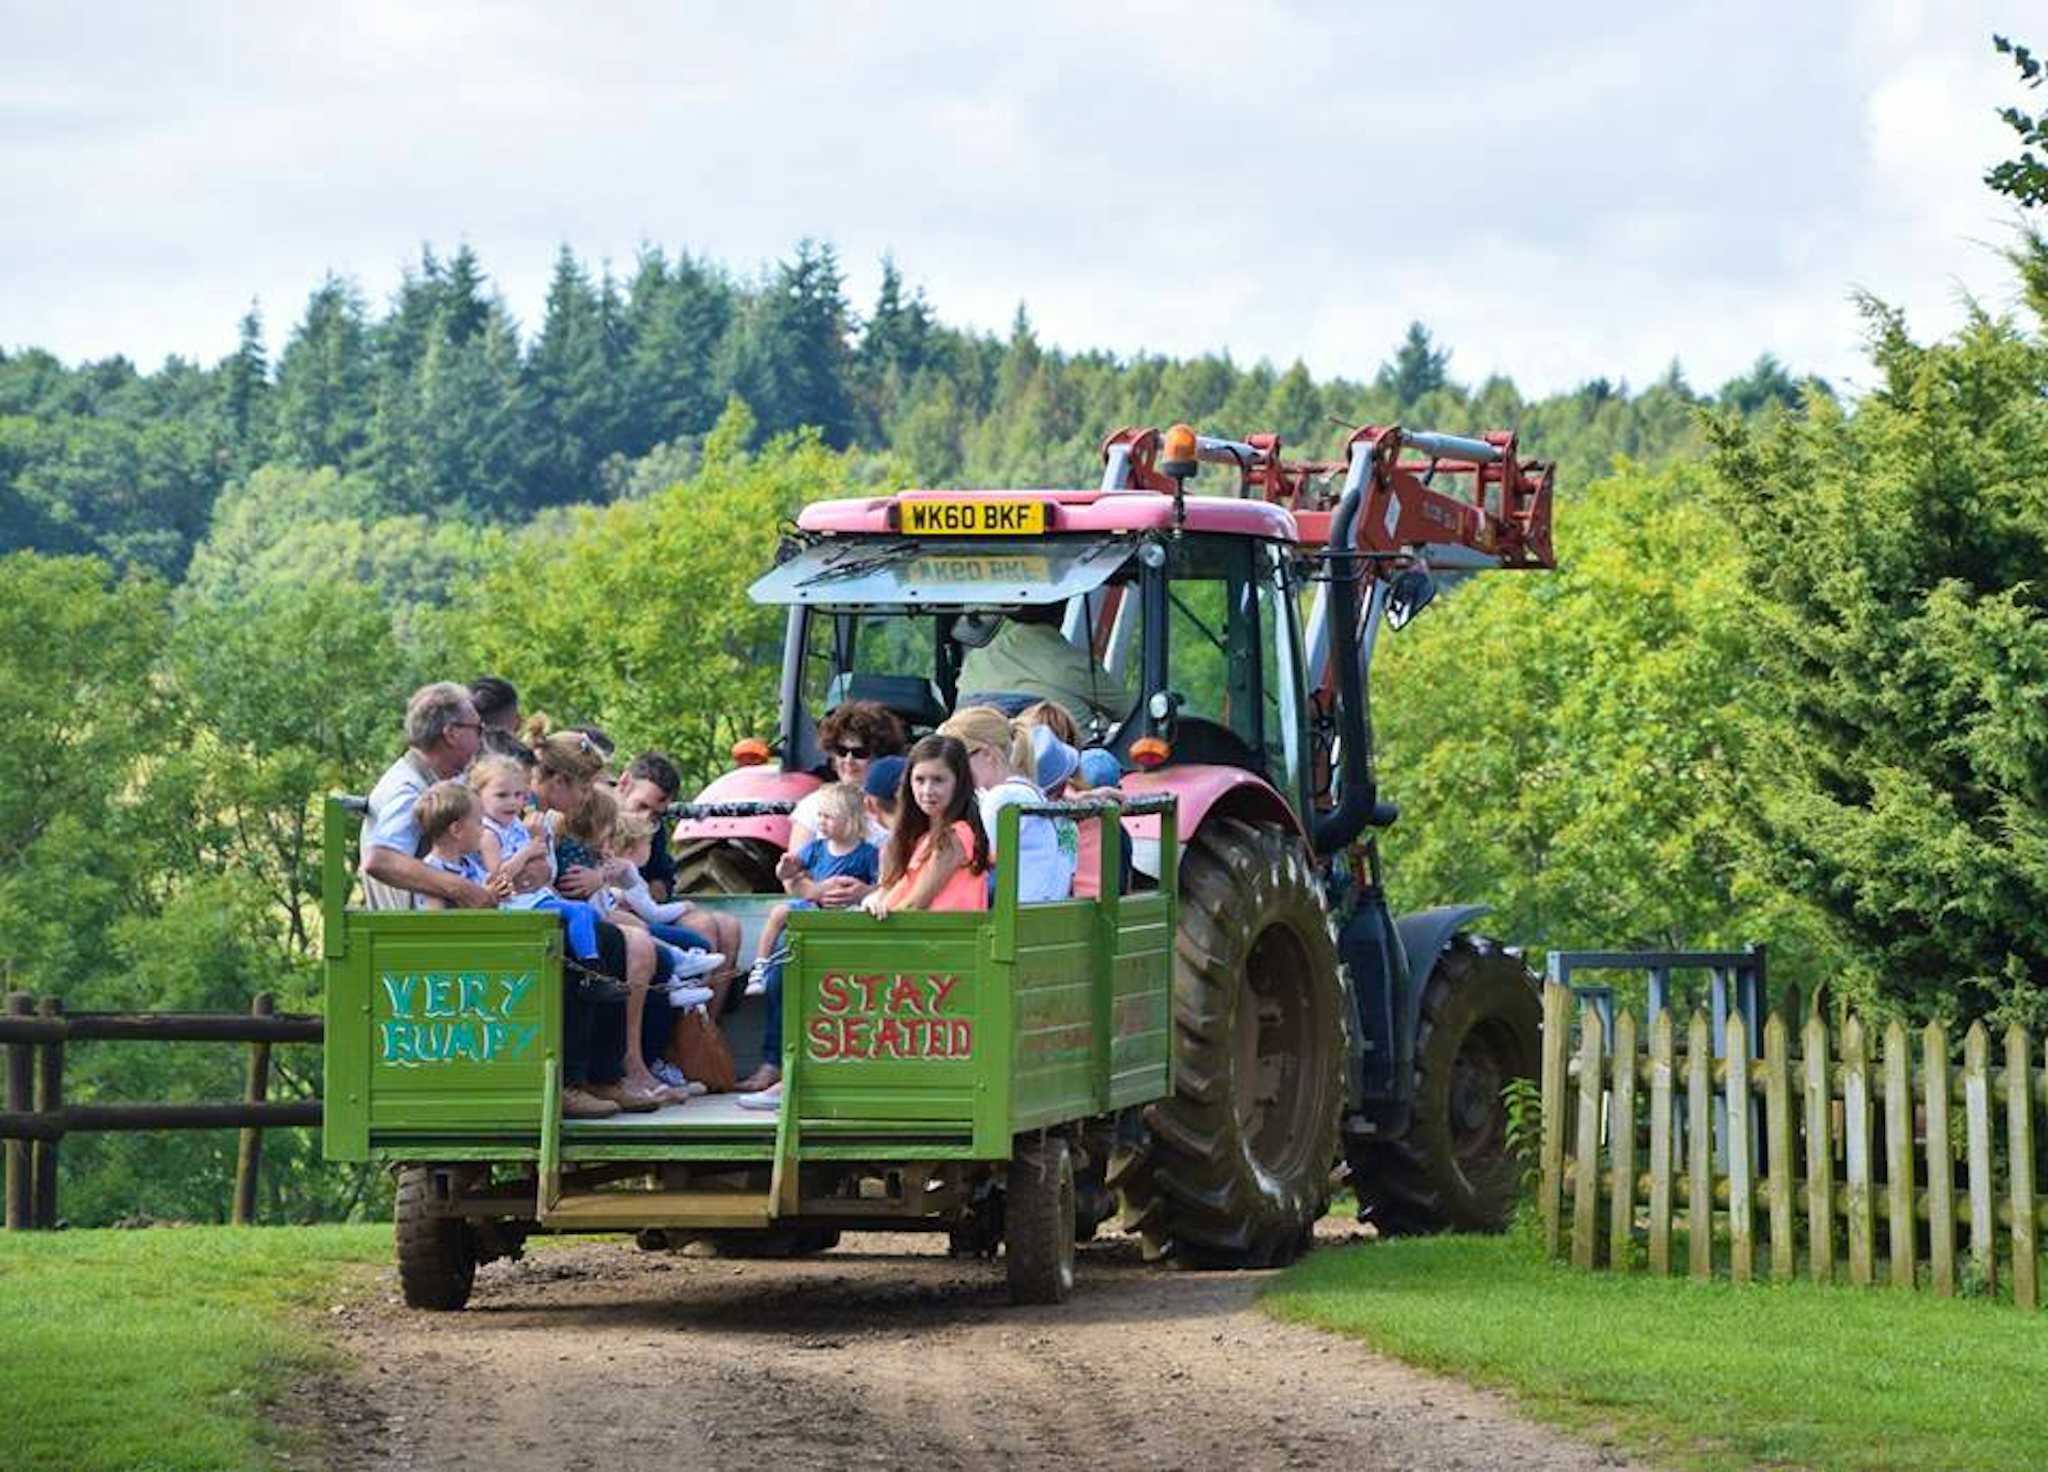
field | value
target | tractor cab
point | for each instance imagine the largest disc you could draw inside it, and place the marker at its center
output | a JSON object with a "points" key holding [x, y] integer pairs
{"points": [[1171, 645]]}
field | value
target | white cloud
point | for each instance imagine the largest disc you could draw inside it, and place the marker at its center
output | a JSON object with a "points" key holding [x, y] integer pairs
{"points": [[1560, 193]]}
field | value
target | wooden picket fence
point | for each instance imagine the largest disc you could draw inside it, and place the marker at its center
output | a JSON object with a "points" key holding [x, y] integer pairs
{"points": [[1851, 1154]]}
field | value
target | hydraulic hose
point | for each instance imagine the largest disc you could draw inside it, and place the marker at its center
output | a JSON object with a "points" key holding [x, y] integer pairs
{"points": [[1335, 829]]}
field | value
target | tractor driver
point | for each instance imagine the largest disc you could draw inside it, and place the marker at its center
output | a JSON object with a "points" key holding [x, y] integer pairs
{"points": [[1024, 658]]}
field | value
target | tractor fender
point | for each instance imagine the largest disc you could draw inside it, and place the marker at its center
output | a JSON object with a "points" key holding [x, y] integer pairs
{"points": [[1203, 790], [748, 784], [1424, 934]]}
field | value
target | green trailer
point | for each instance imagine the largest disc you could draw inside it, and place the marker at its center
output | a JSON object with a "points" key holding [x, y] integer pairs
{"points": [[942, 1072]]}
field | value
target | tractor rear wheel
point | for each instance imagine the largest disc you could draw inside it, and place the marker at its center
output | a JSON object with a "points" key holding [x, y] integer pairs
{"points": [[727, 866], [1233, 1169], [1452, 1170], [437, 1255]]}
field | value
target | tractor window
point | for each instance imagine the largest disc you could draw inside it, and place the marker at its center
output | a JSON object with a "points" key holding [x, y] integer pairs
{"points": [[897, 648], [1279, 676], [1216, 659]]}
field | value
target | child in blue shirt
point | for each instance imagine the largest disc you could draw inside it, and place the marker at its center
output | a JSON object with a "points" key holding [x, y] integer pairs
{"points": [[841, 850]]}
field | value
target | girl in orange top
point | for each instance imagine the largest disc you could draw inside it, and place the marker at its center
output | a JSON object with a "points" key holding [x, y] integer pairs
{"points": [[938, 854]]}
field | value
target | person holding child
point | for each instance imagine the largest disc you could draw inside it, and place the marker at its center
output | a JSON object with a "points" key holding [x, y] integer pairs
{"points": [[569, 763], [451, 826], [441, 736], [855, 733], [842, 848]]}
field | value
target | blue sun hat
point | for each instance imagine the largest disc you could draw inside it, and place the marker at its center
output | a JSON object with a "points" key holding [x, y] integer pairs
{"points": [[1053, 760]]}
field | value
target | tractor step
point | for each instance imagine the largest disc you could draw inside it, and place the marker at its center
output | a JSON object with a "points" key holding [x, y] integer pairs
{"points": [[628, 1209]]}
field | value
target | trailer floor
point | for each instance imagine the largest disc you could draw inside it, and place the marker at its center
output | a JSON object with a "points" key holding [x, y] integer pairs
{"points": [[720, 1112], [882, 1353]]}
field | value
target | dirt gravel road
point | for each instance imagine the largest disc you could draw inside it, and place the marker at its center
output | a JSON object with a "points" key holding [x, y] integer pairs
{"points": [[883, 1353]]}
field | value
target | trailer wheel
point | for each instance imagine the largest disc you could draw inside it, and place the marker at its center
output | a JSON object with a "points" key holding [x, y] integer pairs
{"points": [[1232, 1169], [437, 1255], [1452, 1170], [727, 866], [1038, 1221]]}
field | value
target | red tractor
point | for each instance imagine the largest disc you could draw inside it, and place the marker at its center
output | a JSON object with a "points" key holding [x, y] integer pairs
{"points": [[1231, 638]]}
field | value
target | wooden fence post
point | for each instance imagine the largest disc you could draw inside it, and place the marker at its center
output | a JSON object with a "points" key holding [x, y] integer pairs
{"points": [[20, 1098], [49, 1100], [1820, 1153], [1586, 1184], [1699, 1142], [2019, 1143], [1557, 1023], [1941, 1178], [1901, 1232], [249, 1155], [1621, 1147], [1741, 1167], [1778, 1141], [1660, 1143], [1856, 1116], [1977, 1127]]}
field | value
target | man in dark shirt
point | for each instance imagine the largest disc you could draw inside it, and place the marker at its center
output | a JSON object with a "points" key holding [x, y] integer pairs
{"points": [[651, 784]]}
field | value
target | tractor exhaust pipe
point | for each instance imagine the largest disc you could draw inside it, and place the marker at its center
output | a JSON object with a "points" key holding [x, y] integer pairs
{"points": [[1335, 829]]}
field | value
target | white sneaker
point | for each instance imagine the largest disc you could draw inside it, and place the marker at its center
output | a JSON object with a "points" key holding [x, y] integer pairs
{"points": [[682, 995], [757, 974], [693, 962], [668, 1073], [768, 1098]]}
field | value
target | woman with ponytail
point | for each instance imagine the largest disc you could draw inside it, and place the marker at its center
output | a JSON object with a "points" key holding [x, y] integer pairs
{"points": [[1000, 755]]}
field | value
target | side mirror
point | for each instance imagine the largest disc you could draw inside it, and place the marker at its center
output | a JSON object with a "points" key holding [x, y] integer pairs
{"points": [[1409, 595]]}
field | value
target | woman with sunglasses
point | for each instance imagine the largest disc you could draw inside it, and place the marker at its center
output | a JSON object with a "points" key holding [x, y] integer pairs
{"points": [[853, 735]]}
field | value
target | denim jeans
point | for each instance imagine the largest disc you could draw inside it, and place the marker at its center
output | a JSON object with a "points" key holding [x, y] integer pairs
{"points": [[771, 1019]]}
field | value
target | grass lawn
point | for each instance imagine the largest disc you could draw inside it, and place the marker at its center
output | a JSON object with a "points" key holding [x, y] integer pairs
{"points": [[160, 1349], [1699, 1374]]}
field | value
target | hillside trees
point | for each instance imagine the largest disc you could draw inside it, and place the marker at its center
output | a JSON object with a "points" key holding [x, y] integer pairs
{"points": [[636, 616]]}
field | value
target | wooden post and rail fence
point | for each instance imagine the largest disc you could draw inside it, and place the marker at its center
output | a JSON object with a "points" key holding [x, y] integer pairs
{"points": [[36, 1117], [1793, 1149]]}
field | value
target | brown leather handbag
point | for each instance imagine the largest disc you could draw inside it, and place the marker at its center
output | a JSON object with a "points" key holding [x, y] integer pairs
{"points": [[699, 1049]]}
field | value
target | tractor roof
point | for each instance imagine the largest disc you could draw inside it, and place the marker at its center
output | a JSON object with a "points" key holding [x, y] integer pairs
{"points": [[1066, 511]]}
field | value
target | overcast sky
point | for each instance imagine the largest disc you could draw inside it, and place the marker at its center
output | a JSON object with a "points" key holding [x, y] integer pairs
{"points": [[1559, 191]]}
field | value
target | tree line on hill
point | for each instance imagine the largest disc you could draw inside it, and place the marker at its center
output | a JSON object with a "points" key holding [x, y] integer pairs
{"points": [[439, 407]]}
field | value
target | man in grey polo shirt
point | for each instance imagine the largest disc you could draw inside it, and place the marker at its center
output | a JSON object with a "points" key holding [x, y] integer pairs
{"points": [[442, 733]]}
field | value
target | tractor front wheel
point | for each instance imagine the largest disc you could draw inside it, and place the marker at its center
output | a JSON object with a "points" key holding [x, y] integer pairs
{"points": [[1452, 1170], [727, 866], [1233, 1169]]}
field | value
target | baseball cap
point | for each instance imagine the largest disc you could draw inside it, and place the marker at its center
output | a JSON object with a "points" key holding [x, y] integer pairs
{"points": [[884, 778]]}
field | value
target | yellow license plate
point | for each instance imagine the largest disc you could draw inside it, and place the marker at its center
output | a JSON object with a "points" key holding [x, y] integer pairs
{"points": [[973, 518]]}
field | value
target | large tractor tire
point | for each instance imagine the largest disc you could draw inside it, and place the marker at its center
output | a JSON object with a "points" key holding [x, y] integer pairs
{"points": [[1452, 1170], [437, 1255], [1233, 1169], [727, 866]]}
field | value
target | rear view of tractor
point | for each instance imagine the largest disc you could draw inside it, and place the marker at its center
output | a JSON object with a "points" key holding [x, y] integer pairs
{"points": [[1227, 640]]}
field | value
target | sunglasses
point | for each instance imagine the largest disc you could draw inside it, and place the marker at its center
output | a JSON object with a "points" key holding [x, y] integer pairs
{"points": [[853, 753]]}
